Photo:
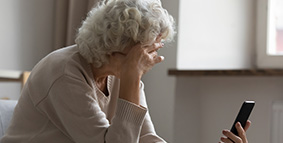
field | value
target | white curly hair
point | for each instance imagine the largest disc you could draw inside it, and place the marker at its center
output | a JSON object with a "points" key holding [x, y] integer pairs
{"points": [[116, 24]]}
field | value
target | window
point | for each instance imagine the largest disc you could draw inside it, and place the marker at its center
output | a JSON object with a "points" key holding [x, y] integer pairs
{"points": [[270, 34], [216, 34], [275, 27]]}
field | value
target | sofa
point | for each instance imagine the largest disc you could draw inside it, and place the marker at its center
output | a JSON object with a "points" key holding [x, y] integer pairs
{"points": [[6, 113]]}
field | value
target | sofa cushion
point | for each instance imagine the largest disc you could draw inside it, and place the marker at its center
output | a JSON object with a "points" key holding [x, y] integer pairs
{"points": [[6, 113]]}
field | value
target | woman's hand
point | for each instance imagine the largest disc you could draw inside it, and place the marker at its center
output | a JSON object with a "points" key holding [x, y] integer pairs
{"points": [[232, 138], [140, 59]]}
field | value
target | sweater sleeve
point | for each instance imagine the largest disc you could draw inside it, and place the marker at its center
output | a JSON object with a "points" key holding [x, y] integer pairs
{"points": [[148, 134], [73, 108]]}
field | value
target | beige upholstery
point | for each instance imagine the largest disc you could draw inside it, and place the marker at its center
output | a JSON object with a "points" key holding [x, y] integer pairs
{"points": [[13, 76], [7, 106], [24, 77], [6, 112]]}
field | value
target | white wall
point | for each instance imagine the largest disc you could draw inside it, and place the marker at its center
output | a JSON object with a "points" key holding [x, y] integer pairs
{"points": [[219, 34], [206, 105], [212, 34], [26, 31], [216, 34]]}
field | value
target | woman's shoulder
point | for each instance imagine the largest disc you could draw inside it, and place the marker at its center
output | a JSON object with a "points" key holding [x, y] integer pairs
{"points": [[63, 62]]}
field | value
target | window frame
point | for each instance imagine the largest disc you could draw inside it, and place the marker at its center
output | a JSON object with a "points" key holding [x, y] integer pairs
{"points": [[265, 60]]}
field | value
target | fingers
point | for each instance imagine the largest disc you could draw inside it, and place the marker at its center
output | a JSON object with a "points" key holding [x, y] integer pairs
{"points": [[142, 58], [158, 59], [230, 137], [159, 38], [241, 132], [152, 58], [151, 51], [154, 47], [226, 140], [248, 124]]}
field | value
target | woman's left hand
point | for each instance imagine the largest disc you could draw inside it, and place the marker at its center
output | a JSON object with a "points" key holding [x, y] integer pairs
{"points": [[232, 138]]}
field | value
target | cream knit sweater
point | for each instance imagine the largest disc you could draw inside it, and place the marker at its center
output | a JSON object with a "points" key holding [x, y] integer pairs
{"points": [[60, 103]]}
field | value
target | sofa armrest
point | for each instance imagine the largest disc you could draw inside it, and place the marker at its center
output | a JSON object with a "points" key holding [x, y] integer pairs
{"points": [[6, 112]]}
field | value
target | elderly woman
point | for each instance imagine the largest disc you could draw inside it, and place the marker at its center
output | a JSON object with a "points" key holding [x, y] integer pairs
{"points": [[91, 92]]}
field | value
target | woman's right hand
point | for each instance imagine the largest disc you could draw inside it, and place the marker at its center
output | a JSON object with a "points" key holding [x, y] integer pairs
{"points": [[134, 64], [232, 138], [140, 59]]}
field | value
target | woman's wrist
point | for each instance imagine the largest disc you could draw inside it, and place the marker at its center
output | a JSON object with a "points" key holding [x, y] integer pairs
{"points": [[131, 74], [129, 86]]}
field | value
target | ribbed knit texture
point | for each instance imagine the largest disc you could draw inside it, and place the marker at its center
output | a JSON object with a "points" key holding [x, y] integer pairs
{"points": [[130, 112]]}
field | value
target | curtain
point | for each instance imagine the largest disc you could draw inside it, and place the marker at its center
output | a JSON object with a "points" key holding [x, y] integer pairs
{"points": [[69, 15]]}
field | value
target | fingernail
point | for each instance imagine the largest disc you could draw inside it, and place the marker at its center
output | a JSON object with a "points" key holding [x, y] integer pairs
{"points": [[158, 45], [225, 131], [162, 58]]}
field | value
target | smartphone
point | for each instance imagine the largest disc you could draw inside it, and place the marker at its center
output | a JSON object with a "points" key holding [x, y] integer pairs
{"points": [[243, 115]]}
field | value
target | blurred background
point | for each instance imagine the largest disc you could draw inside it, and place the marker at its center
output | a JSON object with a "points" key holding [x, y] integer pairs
{"points": [[212, 35]]}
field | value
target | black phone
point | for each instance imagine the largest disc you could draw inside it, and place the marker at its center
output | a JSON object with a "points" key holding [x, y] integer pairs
{"points": [[243, 115]]}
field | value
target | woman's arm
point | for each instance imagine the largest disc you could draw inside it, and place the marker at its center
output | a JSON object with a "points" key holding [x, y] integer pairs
{"points": [[133, 65], [129, 86], [73, 107], [148, 134], [138, 61]]}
